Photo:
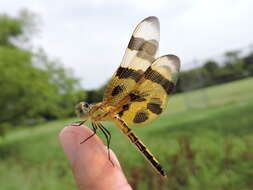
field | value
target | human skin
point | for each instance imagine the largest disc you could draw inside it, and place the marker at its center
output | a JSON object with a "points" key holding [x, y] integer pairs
{"points": [[89, 161]]}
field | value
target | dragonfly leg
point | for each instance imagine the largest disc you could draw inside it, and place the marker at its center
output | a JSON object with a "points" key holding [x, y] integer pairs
{"points": [[78, 123], [108, 140], [94, 132]]}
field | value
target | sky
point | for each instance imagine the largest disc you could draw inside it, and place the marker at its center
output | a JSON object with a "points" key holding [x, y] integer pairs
{"points": [[90, 36]]}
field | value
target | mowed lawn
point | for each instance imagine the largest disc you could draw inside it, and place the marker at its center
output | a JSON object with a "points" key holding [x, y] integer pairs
{"points": [[204, 140]]}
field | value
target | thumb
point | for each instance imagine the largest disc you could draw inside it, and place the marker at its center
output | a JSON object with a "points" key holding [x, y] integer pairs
{"points": [[89, 160]]}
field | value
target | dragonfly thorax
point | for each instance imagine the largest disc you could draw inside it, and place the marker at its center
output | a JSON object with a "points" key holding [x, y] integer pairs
{"points": [[100, 112]]}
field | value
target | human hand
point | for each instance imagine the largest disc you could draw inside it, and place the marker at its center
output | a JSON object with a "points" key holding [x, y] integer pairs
{"points": [[89, 161]]}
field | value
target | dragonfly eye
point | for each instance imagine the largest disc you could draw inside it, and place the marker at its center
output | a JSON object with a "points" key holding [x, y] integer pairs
{"points": [[82, 109], [86, 105]]}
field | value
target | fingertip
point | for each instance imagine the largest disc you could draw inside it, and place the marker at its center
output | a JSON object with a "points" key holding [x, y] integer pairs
{"points": [[73, 129], [70, 138]]}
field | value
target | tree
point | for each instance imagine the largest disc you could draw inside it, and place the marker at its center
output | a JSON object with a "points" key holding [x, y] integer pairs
{"points": [[96, 95], [211, 67], [34, 87], [9, 28], [248, 64], [232, 56]]}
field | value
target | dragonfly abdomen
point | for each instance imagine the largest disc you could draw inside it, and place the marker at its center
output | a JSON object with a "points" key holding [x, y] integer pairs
{"points": [[139, 144]]}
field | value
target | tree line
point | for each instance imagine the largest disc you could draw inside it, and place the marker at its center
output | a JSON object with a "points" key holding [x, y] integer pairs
{"points": [[36, 88], [212, 72]]}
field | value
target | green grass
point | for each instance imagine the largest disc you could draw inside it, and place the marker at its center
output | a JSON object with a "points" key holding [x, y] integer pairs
{"points": [[204, 140]]}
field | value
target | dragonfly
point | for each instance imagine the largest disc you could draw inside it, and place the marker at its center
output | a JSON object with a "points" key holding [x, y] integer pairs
{"points": [[138, 91]]}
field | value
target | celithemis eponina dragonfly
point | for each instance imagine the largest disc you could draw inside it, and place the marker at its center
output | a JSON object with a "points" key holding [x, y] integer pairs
{"points": [[138, 90]]}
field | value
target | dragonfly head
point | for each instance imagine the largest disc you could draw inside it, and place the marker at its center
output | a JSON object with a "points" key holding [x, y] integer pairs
{"points": [[82, 110]]}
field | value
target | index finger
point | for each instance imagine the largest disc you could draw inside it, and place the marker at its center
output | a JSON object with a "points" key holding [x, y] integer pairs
{"points": [[89, 160]]}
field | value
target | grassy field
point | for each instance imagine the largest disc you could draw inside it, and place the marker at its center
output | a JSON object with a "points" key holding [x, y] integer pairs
{"points": [[204, 140]]}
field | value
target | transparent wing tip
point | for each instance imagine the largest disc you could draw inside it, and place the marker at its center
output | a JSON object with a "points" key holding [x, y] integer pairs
{"points": [[152, 19], [174, 61]]}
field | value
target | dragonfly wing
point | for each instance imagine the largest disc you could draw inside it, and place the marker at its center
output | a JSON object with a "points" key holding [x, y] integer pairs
{"points": [[150, 97], [139, 55]]}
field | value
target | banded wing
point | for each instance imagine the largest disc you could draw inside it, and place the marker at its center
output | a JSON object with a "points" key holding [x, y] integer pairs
{"points": [[150, 97], [139, 55]]}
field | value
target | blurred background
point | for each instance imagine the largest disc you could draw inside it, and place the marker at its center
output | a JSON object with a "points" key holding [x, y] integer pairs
{"points": [[54, 54]]}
